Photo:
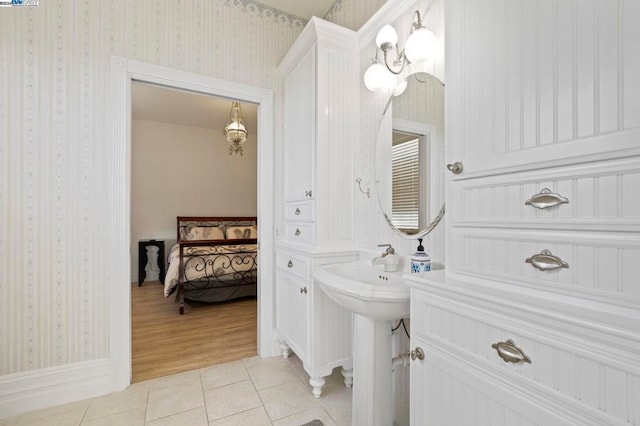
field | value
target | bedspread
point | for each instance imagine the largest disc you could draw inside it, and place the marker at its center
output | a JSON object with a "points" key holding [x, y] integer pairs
{"points": [[218, 263]]}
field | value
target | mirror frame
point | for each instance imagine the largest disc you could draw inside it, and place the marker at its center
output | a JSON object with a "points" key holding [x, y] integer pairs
{"points": [[436, 220]]}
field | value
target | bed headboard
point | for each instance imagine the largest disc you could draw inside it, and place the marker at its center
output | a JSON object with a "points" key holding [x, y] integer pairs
{"points": [[185, 223]]}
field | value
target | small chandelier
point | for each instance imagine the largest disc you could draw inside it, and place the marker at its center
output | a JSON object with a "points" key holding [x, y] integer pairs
{"points": [[235, 131]]}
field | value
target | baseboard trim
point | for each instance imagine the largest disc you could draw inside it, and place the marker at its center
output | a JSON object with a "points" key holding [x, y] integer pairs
{"points": [[34, 390]]}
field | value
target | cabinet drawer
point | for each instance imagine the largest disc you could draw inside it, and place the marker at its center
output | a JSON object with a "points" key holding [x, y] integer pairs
{"points": [[598, 265], [301, 210], [598, 196], [581, 364], [294, 264], [300, 233]]}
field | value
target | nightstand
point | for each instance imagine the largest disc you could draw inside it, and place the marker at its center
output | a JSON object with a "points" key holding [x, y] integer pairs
{"points": [[142, 258]]}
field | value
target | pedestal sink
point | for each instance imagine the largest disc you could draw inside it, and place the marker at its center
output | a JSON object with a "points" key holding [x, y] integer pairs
{"points": [[376, 298]]}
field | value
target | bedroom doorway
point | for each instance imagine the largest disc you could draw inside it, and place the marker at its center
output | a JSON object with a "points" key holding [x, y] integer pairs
{"points": [[118, 182], [181, 165]]}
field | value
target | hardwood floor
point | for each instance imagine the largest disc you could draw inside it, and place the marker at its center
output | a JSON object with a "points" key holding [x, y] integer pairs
{"points": [[164, 342]]}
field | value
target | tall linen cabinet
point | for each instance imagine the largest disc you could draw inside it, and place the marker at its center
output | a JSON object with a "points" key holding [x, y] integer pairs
{"points": [[320, 115], [543, 222]]}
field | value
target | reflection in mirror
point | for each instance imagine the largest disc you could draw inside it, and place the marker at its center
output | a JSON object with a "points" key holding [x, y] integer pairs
{"points": [[409, 157], [409, 177]]}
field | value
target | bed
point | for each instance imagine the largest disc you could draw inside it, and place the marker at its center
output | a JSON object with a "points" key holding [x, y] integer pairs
{"points": [[214, 259]]}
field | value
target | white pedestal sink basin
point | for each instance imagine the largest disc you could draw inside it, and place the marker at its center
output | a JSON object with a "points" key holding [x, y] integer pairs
{"points": [[376, 298], [366, 289]]}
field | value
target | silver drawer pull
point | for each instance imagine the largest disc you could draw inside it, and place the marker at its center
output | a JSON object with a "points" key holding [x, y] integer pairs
{"points": [[509, 352], [297, 212], [303, 290], [546, 199], [307, 193], [297, 232], [545, 261], [290, 264], [455, 168]]}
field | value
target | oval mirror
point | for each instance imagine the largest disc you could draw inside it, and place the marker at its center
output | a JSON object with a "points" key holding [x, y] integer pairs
{"points": [[409, 157]]}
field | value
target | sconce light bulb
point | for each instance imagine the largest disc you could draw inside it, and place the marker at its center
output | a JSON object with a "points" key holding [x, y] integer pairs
{"points": [[387, 37], [420, 45], [376, 77]]}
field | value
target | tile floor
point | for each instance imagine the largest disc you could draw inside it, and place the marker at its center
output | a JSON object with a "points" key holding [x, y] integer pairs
{"points": [[252, 391]]}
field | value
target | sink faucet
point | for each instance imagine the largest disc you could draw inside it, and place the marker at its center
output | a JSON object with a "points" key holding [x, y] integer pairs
{"points": [[388, 257], [389, 249]]}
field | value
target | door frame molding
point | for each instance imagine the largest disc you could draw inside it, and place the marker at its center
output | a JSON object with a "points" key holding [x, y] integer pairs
{"points": [[118, 190]]}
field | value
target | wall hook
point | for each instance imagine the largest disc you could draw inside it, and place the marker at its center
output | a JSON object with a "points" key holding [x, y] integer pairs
{"points": [[359, 182]]}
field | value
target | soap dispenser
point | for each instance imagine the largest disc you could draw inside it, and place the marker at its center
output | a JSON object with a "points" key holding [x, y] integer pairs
{"points": [[420, 261]]}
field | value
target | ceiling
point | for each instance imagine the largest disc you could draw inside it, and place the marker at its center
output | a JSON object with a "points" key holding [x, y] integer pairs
{"points": [[164, 104]]}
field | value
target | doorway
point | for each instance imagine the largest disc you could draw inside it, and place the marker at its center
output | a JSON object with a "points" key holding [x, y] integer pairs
{"points": [[118, 184], [181, 165]]}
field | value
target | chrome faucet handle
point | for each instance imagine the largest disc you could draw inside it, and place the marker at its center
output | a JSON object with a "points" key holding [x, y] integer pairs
{"points": [[389, 249]]}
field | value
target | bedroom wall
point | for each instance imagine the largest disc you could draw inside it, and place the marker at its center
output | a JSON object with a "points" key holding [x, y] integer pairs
{"points": [[181, 170]]}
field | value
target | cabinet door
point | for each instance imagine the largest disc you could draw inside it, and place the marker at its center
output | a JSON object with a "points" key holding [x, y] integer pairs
{"points": [[292, 310], [534, 84], [300, 128], [447, 392]]}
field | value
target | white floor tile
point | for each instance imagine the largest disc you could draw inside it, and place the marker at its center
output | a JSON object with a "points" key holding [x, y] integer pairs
{"points": [[223, 374], [271, 373], [117, 402], [61, 415], [255, 417], [195, 417], [254, 391], [135, 417], [286, 399], [305, 417], [232, 399], [174, 399]]}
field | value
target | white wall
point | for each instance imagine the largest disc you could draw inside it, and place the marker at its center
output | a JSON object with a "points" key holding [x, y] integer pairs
{"points": [[185, 171]]}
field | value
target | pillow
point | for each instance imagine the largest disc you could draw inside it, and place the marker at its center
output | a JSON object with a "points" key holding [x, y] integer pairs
{"points": [[205, 233], [239, 232]]}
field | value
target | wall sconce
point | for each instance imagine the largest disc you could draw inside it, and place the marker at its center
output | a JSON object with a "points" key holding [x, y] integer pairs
{"points": [[419, 47], [235, 131]]}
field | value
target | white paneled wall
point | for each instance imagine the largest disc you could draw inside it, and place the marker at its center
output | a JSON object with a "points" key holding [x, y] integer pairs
{"points": [[54, 104]]}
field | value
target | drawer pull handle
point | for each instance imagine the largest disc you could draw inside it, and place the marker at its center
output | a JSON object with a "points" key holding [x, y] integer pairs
{"points": [[297, 232], [417, 353], [297, 212], [545, 261], [545, 198], [303, 290], [455, 168], [290, 264], [509, 352], [307, 193]]}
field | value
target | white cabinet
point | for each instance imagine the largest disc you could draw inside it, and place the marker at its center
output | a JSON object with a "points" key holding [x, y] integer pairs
{"points": [[321, 92], [320, 85], [529, 117], [580, 371], [316, 329]]}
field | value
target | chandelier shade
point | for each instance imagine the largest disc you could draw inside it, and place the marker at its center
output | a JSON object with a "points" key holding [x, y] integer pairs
{"points": [[235, 131]]}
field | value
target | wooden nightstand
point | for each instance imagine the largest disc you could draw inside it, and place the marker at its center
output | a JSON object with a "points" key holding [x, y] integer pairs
{"points": [[142, 258]]}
